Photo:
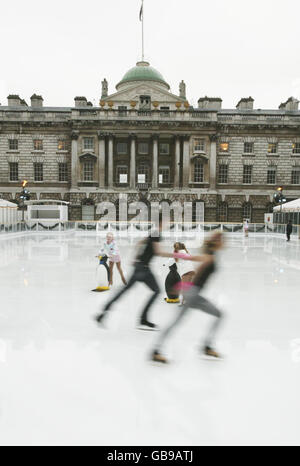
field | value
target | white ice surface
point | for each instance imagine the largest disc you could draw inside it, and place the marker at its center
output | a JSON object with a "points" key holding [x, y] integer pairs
{"points": [[65, 381]]}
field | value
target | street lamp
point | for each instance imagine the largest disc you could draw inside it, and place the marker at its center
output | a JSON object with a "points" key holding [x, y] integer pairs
{"points": [[24, 196], [280, 198]]}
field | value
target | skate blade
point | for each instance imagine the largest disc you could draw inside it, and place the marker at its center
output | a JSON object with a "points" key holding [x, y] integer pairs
{"points": [[206, 357], [147, 329]]}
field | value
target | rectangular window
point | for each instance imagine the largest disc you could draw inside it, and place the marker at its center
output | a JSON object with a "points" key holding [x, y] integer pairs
{"points": [[143, 148], [164, 175], [223, 174], [14, 172], [296, 177], [272, 148], [247, 175], [62, 145], [165, 111], [122, 174], [63, 172], [296, 148], [271, 176], [143, 173], [13, 144], [224, 147], [122, 148], [199, 145], [248, 148], [198, 172], [38, 144], [88, 143], [38, 172], [122, 110], [164, 149], [88, 171]]}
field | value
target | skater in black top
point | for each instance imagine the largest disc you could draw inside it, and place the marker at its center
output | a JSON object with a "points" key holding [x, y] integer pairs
{"points": [[289, 230], [143, 274], [194, 299]]}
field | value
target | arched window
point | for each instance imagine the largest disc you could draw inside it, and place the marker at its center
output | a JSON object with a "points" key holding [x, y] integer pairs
{"points": [[247, 211], [222, 212]]}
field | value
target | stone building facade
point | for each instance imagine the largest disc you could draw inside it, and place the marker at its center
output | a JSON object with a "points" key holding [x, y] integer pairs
{"points": [[146, 142]]}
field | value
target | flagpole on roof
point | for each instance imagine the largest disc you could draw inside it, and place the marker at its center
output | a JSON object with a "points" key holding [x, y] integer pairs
{"points": [[142, 19]]}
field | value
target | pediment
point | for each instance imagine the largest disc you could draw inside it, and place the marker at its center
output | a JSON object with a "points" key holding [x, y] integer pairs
{"points": [[133, 93]]}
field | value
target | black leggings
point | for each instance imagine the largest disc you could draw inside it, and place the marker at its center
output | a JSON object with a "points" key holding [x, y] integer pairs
{"points": [[141, 274]]}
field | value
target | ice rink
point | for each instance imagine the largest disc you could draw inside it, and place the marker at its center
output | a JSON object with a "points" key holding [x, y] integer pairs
{"points": [[65, 381]]}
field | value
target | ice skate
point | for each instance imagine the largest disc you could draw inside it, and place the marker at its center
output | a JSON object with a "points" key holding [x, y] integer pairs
{"points": [[148, 326], [211, 353], [158, 357], [100, 319]]}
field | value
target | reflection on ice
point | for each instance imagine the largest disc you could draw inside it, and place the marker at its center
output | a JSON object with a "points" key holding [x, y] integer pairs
{"points": [[65, 381]]}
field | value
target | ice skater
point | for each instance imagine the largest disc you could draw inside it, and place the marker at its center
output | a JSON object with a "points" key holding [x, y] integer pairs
{"points": [[111, 249], [289, 230], [246, 228], [195, 300], [143, 274], [185, 269]]}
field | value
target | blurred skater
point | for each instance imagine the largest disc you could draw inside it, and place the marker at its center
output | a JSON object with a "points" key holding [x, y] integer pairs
{"points": [[143, 274], [195, 300], [289, 230], [246, 228], [111, 249]]}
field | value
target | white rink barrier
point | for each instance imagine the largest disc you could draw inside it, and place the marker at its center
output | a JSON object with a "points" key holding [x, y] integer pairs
{"points": [[141, 229]]}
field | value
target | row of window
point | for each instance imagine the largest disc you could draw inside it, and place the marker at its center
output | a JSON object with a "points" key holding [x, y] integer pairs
{"points": [[143, 173], [222, 212], [38, 172], [143, 147], [248, 175], [38, 144], [249, 148]]}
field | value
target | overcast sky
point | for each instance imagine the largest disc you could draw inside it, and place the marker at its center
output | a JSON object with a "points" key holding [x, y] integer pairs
{"points": [[224, 48]]}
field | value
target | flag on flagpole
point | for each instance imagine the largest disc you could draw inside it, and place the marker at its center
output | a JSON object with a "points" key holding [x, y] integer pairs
{"points": [[142, 11]]}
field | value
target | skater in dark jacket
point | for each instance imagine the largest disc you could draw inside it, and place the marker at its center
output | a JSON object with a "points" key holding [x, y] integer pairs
{"points": [[289, 230]]}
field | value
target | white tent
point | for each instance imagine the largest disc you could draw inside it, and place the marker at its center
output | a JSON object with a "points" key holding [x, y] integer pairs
{"points": [[8, 212], [293, 206]]}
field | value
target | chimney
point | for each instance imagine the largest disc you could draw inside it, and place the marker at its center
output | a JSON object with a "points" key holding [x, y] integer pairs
{"points": [[14, 101], [291, 105], [210, 103], [246, 104], [23, 103], [80, 102], [36, 101]]}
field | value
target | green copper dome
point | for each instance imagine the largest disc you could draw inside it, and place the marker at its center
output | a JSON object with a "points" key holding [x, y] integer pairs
{"points": [[143, 72]]}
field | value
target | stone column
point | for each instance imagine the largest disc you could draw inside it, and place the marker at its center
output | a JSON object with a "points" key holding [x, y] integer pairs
{"points": [[186, 161], [177, 162], [155, 162], [111, 161], [101, 166], [74, 160], [133, 161], [213, 161]]}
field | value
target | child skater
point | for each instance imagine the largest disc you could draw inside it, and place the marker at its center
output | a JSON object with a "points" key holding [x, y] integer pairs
{"points": [[185, 269], [194, 298], [111, 250]]}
